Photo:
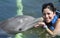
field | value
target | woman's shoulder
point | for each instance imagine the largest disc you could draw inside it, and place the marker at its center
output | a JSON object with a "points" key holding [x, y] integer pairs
{"points": [[58, 22]]}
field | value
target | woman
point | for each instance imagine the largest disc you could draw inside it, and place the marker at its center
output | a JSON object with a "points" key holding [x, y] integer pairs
{"points": [[51, 21]]}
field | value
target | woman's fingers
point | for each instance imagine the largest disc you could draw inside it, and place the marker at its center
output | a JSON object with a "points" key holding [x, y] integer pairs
{"points": [[36, 26], [39, 24]]}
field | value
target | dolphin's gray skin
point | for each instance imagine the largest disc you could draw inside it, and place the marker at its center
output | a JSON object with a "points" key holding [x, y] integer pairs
{"points": [[18, 23]]}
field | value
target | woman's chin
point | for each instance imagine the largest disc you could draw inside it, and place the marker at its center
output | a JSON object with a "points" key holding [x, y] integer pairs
{"points": [[47, 21]]}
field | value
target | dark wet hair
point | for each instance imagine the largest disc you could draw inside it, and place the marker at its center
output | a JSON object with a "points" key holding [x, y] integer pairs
{"points": [[49, 6]]}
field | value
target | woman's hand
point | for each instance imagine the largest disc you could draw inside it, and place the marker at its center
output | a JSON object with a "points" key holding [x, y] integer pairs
{"points": [[40, 24]]}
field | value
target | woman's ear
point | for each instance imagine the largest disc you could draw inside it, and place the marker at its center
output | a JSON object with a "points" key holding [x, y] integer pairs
{"points": [[54, 13]]}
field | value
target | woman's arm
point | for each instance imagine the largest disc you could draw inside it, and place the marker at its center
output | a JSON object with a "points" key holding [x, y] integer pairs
{"points": [[56, 31]]}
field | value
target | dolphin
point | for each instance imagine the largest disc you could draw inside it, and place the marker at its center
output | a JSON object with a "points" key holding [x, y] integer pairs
{"points": [[19, 23]]}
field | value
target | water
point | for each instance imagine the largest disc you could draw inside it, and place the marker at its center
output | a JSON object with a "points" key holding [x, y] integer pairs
{"points": [[8, 9]]}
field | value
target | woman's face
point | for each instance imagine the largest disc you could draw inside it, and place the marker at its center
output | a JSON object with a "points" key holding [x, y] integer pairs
{"points": [[48, 15]]}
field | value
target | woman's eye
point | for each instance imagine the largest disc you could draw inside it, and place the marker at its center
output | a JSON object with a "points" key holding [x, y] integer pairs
{"points": [[48, 13]]}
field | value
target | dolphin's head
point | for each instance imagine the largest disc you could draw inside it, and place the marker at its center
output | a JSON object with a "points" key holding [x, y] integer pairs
{"points": [[16, 24]]}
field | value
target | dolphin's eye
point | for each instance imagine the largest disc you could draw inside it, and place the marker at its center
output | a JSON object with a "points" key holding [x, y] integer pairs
{"points": [[20, 29]]}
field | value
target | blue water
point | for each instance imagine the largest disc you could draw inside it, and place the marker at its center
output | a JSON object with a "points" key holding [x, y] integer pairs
{"points": [[8, 9]]}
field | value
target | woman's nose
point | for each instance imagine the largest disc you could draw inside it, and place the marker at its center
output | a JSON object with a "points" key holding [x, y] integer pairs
{"points": [[46, 16]]}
